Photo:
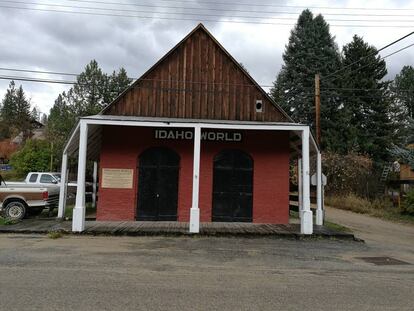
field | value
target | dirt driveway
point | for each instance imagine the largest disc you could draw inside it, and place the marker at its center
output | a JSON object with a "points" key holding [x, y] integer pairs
{"points": [[384, 237]]}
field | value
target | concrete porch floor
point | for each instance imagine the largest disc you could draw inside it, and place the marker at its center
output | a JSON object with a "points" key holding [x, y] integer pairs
{"points": [[139, 228]]}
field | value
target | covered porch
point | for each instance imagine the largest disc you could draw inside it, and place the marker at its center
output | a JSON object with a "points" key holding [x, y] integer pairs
{"points": [[172, 228], [86, 139]]}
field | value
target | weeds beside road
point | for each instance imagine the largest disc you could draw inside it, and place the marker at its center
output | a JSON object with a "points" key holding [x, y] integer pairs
{"points": [[381, 208]]}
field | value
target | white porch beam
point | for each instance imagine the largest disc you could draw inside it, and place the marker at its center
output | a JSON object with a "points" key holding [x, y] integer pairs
{"points": [[94, 184], [63, 186], [78, 220], [167, 123], [195, 211], [319, 209], [306, 221], [300, 201]]}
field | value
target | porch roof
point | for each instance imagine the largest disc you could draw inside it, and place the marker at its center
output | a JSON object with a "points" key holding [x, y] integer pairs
{"points": [[96, 122]]}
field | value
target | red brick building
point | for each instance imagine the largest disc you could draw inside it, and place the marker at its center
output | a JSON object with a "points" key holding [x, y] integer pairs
{"points": [[195, 139]]}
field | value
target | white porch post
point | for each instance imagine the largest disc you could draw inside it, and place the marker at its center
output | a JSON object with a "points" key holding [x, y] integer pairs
{"points": [[195, 211], [63, 186], [300, 202], [78, 222], [94, 185], [319, 209], [306, 222]]}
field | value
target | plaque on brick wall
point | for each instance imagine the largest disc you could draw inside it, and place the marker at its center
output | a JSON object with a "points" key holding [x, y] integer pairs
{"points": [[117, 178]]}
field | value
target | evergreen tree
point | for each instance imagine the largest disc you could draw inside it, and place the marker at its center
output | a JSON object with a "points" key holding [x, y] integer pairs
{"points": [[92, 91], [23, 115], [402, 96], [118, 82], [403, 90], [87, 95], [35, 114], [365, 99], [7, 113], [311, 50]]}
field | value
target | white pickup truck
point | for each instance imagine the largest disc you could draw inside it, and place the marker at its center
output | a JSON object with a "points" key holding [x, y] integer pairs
{"points": [[40, 178], [19, 200]]}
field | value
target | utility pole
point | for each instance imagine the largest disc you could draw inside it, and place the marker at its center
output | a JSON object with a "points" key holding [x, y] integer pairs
{"points": [[318, 108]]}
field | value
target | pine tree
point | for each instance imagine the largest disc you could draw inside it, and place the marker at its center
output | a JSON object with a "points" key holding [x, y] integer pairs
{"points": [[118, 82], [35, 114], [402, 96], [8, 109], [365, 100], [87, 95], [92, 91], [403, 89], [311, 50], [23, 116]]}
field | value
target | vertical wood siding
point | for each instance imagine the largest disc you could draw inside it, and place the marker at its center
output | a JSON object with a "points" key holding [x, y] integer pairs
{"points": [[196, 80]]}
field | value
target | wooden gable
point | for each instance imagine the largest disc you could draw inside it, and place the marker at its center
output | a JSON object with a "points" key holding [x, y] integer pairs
{"points": [[197, 79]]}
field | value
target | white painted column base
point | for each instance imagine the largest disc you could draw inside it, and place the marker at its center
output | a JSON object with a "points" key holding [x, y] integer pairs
{"points": [[319, 217], [78, 220], [194, 220], [306, 222]]}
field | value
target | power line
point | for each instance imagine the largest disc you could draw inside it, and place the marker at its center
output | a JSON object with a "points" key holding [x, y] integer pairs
{"points": [[386, 56], [226, 9], [28, 79], [39, 71], [288, 6], [17, 78], [197, 20], [198, 14], [335, 73], [202, 85]]}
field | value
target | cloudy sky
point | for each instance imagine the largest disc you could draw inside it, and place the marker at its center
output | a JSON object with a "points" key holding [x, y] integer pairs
{"points": [[37, 35]]}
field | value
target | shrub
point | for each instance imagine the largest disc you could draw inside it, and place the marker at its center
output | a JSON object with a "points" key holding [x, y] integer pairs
{"points": [[34, 156], [350, 173], [407, 206]]}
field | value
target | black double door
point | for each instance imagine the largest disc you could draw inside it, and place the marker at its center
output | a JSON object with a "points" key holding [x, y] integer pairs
{"points": [[158, 185], [233, 187]]}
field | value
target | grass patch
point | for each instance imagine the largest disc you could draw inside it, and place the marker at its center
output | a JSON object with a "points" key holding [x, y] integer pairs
{"points": [[5, 221], [381, 208], [54, 235], [327, 224], [336, 227]]}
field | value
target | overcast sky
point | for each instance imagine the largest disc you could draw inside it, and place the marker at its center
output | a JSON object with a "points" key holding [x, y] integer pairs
{"points": [[55, 41]]}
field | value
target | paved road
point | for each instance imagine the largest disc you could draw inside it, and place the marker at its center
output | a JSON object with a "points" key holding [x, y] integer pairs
{"points": [[156, 273]]}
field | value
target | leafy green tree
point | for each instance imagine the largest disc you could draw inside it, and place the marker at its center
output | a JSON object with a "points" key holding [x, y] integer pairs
{"points": [[311, 50], [366, 102], [34, 156]]}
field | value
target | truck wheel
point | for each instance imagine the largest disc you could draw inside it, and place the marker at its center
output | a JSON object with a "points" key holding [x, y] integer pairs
{"points": [[15, 210]]}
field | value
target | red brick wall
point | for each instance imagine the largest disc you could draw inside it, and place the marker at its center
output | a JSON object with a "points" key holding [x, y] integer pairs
{"points": [[122, 146]]}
